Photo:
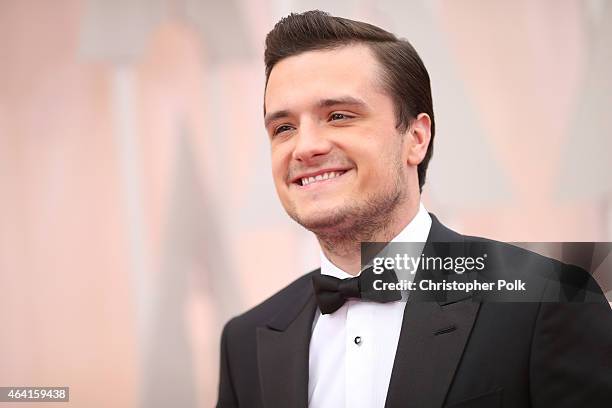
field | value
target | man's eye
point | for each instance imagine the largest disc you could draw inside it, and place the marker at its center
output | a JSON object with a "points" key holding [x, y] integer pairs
{"points": [[281, 129], [339, 116]]}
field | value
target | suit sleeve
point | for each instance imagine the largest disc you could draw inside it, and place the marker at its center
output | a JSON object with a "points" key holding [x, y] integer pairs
{"points": [[227, 396], [571, 355]]}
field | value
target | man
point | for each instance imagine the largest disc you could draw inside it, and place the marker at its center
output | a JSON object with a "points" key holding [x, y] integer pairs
{"points": [[349, 115]]}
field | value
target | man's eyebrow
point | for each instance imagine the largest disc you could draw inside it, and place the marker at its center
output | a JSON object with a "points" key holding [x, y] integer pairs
{"points": [[343, 100], [323, 103], [270, 117]]}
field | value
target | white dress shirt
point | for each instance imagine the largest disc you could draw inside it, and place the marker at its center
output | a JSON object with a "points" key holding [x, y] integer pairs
{"points": [[353, 349]]}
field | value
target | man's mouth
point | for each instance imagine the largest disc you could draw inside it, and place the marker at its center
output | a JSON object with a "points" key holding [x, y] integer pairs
{"points": [[325, 176], [316, 178]]}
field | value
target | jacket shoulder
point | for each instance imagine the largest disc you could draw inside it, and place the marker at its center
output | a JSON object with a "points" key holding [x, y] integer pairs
{"points": [[549, 279], [299, 289]]}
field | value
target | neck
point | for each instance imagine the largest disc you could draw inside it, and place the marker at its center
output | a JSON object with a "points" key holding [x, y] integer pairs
{"points": [[343, 247]]}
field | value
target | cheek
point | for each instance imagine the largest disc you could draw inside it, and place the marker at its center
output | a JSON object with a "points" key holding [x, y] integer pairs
{"points": [[280, 163], [376, 164]]}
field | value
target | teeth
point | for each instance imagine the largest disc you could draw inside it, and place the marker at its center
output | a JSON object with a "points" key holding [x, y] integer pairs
{"points": [[325, 176]]}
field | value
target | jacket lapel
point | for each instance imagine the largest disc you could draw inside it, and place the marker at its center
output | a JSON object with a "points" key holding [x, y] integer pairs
{"points": [[432, 339], [431, 343], [282, 352]]}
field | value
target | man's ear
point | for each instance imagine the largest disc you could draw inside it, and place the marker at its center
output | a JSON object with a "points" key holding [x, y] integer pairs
{"points": [[417, 138]]}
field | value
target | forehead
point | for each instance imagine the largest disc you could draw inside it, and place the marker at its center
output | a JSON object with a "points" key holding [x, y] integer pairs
{"points": [[313, 75]]}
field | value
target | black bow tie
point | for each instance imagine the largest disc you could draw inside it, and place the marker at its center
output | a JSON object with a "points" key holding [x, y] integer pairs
{"points": [[332, 292]]}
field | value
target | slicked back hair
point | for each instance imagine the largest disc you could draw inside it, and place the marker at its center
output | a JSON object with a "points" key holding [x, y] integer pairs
{"points": [[404, 75]]}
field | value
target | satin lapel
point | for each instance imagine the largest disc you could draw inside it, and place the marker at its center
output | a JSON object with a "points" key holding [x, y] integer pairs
{"points": [[430, 346], [282, 352], [432, 340]]}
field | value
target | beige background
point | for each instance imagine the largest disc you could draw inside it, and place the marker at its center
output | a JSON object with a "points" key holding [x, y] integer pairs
{"points": [[137, 211]]}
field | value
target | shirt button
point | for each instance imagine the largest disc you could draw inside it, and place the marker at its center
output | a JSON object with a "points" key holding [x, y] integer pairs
{"points": [[357, 340]]}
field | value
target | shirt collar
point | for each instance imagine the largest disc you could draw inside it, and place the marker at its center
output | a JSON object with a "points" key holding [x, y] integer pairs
{"points": [[417, 230]]}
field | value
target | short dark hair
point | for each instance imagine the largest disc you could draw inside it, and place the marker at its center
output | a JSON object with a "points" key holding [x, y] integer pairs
{"points": [[404, 74]]}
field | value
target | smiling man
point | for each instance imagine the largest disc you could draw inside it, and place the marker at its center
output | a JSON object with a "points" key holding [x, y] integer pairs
{"points": [[343, 166], [349, 115]]}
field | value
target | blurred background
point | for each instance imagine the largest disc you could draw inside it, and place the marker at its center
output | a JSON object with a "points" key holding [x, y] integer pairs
{"points": [[137, 209]]}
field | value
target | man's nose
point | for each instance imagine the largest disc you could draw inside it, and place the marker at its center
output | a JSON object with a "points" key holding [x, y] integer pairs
{"points": [[311, 143]]}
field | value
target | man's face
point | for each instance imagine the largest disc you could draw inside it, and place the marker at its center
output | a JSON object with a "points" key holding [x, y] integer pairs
{"points": [[337, 157]]}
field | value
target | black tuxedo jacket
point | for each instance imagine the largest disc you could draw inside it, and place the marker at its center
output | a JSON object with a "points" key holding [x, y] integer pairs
{"points": [[456, 352]]}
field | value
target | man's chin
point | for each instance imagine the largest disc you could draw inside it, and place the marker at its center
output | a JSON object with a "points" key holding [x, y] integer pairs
{"points": [[321, 221]]}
